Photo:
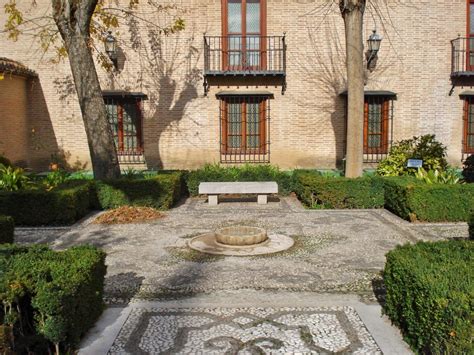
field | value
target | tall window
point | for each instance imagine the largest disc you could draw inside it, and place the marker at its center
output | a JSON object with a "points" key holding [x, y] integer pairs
{"points": [[468, 129], [125, 118], [244, 128], [376, 124], [470, 35], [243, 25]]}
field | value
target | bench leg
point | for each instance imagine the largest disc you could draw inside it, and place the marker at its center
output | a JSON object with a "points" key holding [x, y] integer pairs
{"points": [[262, 199], [213, 200]]}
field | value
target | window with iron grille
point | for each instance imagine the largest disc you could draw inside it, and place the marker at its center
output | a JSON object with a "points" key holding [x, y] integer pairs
{"points": [[244, 126], [125, 118], [378, 124], [468, 127]]}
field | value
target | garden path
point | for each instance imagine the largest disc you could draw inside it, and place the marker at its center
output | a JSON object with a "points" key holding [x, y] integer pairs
{"points": [[267, 298]]}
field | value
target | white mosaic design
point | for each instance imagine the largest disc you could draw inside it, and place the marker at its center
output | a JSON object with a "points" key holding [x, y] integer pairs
{"points": [[244, 331]]}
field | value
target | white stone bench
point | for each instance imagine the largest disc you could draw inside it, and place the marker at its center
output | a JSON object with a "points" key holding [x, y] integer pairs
{"points": [[261, 189]]}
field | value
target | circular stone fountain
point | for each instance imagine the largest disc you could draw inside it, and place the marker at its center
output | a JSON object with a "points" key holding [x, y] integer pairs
{"points": [[241, 235], [240, 241]]}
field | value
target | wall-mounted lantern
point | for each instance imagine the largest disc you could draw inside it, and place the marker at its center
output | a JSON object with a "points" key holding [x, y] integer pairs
{"points": [[110, 43], [373, 46]]}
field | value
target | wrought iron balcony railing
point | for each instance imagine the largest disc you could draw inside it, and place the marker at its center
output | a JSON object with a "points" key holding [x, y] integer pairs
{"points": [[244, 55], [462, 57]]}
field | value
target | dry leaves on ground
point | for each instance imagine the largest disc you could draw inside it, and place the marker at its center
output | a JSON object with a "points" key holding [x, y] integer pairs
{"points": [[128, 214]]}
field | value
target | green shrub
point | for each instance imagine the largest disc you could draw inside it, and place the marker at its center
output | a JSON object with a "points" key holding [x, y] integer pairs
{"points": [[218, 173], [321, 192], [432, 152], [448, 177], [414, 200], [63, 205], [59, 294], [7, 228], [159, 191], [430, 295], [54, 179], [12, 179], [468, 169]]}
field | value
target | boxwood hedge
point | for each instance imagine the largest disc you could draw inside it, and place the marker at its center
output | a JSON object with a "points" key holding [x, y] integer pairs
{"points": [[57, 294], [430, 295], [317, 191], [7, 227], [414, 200], [159, 191], [62, 205]]}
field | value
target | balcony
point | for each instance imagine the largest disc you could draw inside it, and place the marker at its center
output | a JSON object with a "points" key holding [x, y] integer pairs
{"points": [[462, 58], [243, 56]]}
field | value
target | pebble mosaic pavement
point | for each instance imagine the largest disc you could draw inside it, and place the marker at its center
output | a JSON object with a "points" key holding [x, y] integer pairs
{"points": [[244, 331]]}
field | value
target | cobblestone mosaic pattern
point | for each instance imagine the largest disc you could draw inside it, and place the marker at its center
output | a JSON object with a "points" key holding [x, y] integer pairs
{"points": [[244, 331]]}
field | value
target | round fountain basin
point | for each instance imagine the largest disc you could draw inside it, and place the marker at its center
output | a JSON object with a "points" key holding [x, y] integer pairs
{"points": [[241, 235]]}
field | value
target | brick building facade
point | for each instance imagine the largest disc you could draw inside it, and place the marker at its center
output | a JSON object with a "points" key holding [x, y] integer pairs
{"points": [[251, 81]]}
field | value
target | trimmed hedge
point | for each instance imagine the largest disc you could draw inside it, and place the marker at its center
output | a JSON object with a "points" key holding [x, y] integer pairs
{"points": [[159, 191], [430, 295], [316, 191], [218, 173], [63, 205], [58, 293], [414, 200], [7, 229]]}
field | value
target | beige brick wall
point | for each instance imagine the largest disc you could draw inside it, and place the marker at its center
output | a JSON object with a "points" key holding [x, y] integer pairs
{"points": [[181, 127], [13, 119]]}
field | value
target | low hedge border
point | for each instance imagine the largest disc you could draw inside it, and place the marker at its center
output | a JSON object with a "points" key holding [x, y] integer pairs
{"points": [[319, 192], [63, 205], [58, 293], [7, 229], [414, 200], [73, 199], [430, 295], [159, 191]]}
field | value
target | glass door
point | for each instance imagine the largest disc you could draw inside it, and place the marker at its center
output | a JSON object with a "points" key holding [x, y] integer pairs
{"points": [[243, 28]]}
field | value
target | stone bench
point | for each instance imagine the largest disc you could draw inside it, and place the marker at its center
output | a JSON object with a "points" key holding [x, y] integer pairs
{"points": [[261, 189]]}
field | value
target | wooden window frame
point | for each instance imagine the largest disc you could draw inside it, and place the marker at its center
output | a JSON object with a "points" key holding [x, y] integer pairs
{"points": [[385, 102], [468, 101], [243, 149], [119, 102], [244, 34], [469, 35]]}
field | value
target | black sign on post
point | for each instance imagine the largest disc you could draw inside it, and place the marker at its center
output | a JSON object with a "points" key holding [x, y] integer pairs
{"points": [[415, 163]]}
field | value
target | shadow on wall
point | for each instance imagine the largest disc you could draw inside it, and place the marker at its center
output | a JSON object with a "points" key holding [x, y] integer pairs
{"points": [[323, 67], [26, 132], [42, 140], [172, 68]]}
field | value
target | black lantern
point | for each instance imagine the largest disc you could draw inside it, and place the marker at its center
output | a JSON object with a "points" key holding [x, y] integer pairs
{"points": [[373, 44], [111, 47]]}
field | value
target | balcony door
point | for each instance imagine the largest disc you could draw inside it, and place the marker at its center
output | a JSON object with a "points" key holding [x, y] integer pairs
{"points": [[243, 31], [470, 35]]}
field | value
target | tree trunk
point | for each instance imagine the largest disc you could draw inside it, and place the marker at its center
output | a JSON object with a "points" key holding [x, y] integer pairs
{"points": [[353, 13], [73, 20]]}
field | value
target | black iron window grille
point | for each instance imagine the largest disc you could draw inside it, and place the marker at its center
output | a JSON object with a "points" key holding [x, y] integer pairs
{"points": [[126, 121], [468, 127], [244, 128]]}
